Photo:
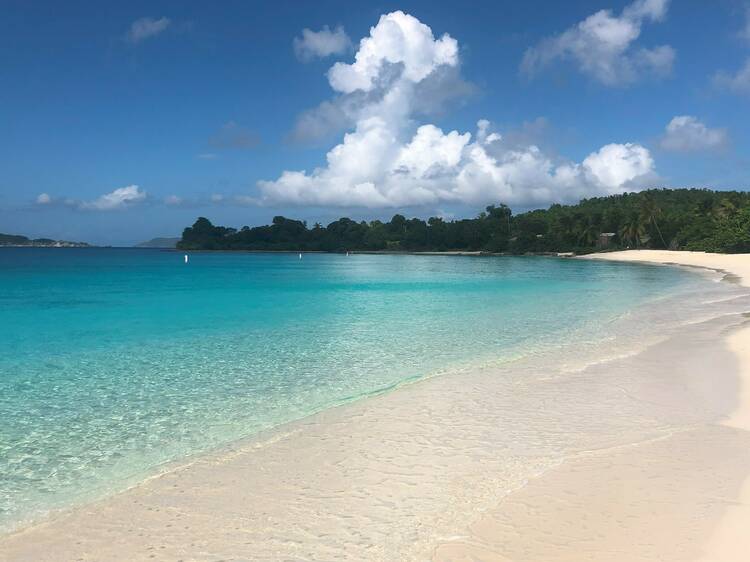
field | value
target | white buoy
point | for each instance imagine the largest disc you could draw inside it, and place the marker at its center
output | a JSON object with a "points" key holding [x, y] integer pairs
{"points": [[186, 258], [300, 256], [347, 254]]}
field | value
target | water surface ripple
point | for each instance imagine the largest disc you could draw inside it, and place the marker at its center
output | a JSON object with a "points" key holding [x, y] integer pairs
{"points": [[113, 362]]}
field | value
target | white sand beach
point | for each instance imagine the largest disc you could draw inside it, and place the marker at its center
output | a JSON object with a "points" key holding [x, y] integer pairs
{"points": [[730, 540], [641, 456]]}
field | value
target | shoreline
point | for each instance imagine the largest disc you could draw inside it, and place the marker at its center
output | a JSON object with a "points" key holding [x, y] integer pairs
{"points": [[729, 541], [443, 424]]}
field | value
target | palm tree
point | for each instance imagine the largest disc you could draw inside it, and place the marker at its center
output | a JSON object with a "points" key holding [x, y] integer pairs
{"points": [[703, 208], [633, 229], [588, 233], [567, 226], [650, 210]]}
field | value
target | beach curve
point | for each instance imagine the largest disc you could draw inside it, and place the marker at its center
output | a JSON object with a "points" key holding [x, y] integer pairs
{"points": [[730, 541], [421, 467]]}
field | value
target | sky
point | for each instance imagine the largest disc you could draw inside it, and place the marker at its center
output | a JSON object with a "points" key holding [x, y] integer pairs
{"points": [[120, 122]]}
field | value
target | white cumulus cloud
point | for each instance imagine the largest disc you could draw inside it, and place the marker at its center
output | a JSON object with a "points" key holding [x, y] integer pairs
{"points": [[372, 168], [399, 60], [398, 38], [118, 199], [145, 28], [616, 165], [603, 46], [686, 133], [387, 159], [321, 44]]}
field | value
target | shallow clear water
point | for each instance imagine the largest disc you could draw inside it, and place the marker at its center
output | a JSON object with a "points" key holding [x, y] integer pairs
{"points": [[113, 362]]}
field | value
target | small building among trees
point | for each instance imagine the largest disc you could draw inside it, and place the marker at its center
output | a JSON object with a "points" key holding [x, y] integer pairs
{"points": [[605, 240]]}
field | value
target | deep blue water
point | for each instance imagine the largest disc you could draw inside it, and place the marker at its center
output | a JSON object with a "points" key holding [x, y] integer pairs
{"points": [[114, 361]]}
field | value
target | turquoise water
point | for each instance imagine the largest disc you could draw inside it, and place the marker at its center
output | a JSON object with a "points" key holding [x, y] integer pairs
{"points": [[114, 361]]}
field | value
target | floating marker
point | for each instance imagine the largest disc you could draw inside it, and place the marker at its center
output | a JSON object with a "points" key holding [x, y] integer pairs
{"points": [[300, 256], [186, 258]]}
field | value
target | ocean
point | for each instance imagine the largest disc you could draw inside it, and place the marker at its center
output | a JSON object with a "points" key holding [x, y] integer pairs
{"points": [[115, 362]]}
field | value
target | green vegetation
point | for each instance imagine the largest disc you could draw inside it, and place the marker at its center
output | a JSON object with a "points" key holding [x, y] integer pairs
{"points": [[162, 242], [686, 219], [18, 240]]}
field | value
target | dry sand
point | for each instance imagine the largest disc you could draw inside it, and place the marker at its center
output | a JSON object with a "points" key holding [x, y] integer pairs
{"points": [[730, 541], [644, 457]]}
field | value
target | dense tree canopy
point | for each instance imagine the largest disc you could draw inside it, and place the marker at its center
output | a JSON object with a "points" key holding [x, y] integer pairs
{"points": [[691, 219]]}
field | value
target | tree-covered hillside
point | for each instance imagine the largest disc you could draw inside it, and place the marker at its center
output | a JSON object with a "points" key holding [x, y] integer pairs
{"points": [[689, 219], [18, 240]]}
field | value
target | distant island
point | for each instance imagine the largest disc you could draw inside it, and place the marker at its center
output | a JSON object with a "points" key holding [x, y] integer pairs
{"points": [[16, 240], [163, 242], [674, 219]]}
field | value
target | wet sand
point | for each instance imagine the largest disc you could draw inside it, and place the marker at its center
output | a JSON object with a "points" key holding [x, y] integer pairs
{"points": [[644, 455]]}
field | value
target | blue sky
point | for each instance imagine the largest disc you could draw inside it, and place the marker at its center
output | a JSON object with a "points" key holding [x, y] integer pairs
{"points": [[127, 121]]}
